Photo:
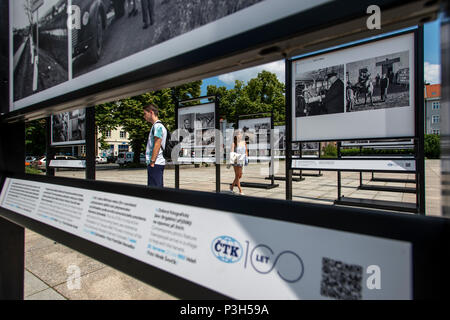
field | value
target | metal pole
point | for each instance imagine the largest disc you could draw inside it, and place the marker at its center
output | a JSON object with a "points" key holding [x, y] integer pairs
{"points": [[12, 236], [420, 156], [49, 151], [177, 166], [445, 111], [218, 143], [91, 143], [288, 162], [271, 152], [339, 171]]}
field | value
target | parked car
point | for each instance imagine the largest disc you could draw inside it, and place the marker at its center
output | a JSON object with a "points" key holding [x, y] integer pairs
{"points": [[111, 159], [96, 16], [40, 163], [29, 160], [127, 157], [99, 159]]}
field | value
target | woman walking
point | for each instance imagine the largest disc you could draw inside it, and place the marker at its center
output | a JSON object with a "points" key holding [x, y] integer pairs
{"points": [[240, 148]]}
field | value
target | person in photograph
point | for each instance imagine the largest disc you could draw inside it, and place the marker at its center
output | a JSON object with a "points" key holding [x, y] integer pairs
{"points": [[154, 151], [377, 80], [240, 148], [334, 98], [147, 13], [132, 8], [384, 85], [187, 125]]}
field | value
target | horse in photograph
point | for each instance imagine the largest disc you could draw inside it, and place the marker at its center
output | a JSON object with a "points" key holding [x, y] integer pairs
{"points": [[365, 88]]}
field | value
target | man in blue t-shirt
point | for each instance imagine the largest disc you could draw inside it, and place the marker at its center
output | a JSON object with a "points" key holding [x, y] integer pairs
{"points": [[155, 144]]}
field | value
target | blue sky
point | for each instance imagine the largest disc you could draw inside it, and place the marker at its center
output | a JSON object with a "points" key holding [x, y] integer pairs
{"points": [[432, 60]]}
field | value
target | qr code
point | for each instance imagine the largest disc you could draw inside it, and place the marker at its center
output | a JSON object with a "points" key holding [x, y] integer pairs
{"points": [[340, 280]]}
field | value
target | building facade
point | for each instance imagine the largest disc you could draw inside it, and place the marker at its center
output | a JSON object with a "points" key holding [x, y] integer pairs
{"points": [[118, 141], [433, 109]]}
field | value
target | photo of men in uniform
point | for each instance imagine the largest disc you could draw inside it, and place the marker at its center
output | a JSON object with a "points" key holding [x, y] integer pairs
{"points": [[320, 92], [378, 83]]}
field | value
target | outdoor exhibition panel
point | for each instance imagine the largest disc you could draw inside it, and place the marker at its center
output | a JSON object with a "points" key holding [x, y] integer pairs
{"points": [[66, 54], [68, 128], [198, 133], [197, 130], [337, 96], [257, 132], [179, 241], [190, 240]]}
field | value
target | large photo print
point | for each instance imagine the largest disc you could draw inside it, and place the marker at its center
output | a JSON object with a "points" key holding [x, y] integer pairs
{"points": [[320, 91], [356, 92], [119, 28], [40, 45], [62, 46], [377, 83], [69, 128]]}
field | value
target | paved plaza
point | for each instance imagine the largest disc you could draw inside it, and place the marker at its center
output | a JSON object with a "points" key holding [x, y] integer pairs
{"points": [[47, 262]]}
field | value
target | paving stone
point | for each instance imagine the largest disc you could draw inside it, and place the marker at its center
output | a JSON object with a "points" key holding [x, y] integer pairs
{"points": [[33, 284], [50, 263], [108, 284], [48, 294]]}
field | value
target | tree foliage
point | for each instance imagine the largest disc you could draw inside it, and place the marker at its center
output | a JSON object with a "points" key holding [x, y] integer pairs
{"points": [[263, 94], [128, 113], [35, 137]]}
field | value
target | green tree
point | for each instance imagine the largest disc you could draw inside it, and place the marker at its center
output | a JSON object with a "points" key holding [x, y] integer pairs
{"points": [[129, 114], [262, 94], [35, 137], [432, 147], [105, 120]]}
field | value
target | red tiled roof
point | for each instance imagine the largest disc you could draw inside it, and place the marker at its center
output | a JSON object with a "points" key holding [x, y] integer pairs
{"points": [[432, 91]]}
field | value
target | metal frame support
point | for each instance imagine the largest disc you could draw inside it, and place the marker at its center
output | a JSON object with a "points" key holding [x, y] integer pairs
{"points": [[90, 143], [288, 174], [12, 236], [420, 127], [49, 151], [445, 111]]}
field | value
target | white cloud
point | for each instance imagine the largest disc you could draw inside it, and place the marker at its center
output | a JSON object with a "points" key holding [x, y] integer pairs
{"points": [[276, 67], [432, 73]]}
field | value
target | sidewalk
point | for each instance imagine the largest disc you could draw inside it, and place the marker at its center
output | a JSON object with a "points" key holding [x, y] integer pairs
{"points": [[47, 262]]}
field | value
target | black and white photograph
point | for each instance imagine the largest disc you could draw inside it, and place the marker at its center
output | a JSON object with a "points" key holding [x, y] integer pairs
{"points": [[280, 138], [205, 120], [186, 122], [319, 92], [256, 133], [205, 138], [375, 96], [40, 45], [378, 83], [69, 127], [77, 125], [199, 122], [116, 29], [60, 127], [310, 146]]}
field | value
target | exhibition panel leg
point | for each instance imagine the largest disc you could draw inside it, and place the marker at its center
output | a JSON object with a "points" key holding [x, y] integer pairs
{"points": [[12, 260]]}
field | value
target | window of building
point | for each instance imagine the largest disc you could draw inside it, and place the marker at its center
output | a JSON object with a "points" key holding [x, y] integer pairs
{"points": [[436, 105], [123, 134], [123, 147], [436, 119], [435, 131], [108, 134]]}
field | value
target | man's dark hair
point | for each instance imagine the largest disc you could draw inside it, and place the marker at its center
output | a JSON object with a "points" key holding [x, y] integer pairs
{"points": [[152, 107]]}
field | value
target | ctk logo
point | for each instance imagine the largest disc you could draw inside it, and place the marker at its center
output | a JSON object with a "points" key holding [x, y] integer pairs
{"points": [[227, 249]]}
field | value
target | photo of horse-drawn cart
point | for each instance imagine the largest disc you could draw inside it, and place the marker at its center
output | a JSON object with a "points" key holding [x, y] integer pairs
{"points": [[378, 83]]}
